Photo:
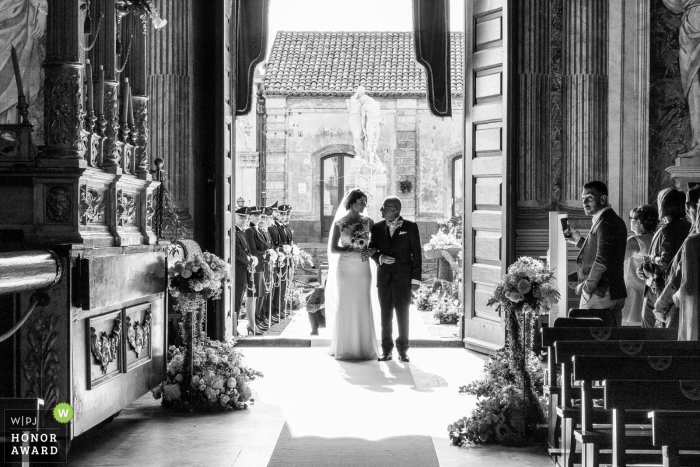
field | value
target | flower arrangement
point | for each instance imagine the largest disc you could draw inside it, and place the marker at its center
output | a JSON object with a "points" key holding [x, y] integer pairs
{"points": [[499, 413], [528, 286], [511, 400], [360, 240], [219, 381], [301, 257], [443, 241], [294, 298], [205, 274], [447, 310]]}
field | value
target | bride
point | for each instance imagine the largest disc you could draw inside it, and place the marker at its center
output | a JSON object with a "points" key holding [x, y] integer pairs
{"points": [[348, 288]]}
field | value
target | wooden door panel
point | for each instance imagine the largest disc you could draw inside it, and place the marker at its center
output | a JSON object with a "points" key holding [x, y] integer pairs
{"points": [[487, 185]]}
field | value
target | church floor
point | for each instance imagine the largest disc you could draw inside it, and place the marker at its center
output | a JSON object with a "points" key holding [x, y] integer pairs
{"points": [[311, 410]]}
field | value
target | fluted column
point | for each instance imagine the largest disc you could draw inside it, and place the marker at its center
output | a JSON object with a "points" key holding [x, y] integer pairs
{"points": [[168, 83], [585, 96], [533, 78], [63, 110]]}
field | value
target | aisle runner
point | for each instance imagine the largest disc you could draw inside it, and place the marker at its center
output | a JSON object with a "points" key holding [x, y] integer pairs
{"points": [[313, 451]]}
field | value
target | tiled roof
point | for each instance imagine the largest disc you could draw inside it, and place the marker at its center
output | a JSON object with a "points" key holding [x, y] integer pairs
{"points": [[336, 63]]}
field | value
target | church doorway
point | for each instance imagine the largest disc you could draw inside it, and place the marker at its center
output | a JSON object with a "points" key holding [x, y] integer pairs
{"points": [[334, 184]]}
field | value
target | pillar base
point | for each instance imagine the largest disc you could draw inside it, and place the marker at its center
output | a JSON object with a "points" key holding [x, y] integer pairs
{"points": [[684, 171]]}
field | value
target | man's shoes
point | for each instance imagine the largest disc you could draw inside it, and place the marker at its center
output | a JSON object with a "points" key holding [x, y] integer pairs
{"points": [[385, 357], [404, 358]]}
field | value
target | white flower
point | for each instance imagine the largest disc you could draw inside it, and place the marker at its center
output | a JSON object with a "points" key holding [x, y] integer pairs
{"points": [[178, 377], [186, 273], [171, 392], [231, 382]]}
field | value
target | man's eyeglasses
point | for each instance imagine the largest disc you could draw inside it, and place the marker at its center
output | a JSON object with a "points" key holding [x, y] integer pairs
{"points": [[388, 208]]}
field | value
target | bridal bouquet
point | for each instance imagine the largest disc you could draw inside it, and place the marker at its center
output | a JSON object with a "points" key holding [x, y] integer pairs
{"points": [[204, 274]]}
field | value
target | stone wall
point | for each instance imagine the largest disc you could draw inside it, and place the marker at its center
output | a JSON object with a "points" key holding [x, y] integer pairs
{"points": [[413, 145]]}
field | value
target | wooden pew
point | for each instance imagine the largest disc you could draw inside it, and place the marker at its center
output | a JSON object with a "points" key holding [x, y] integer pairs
{"points": [[622, 396], [649, 368], [558, 395], [673, 431]]}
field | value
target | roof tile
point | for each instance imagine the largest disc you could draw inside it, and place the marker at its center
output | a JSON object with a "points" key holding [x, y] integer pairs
{"points": [[335, 63]]}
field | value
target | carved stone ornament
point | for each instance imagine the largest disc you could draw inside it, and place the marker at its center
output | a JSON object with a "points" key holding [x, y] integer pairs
{"points": [[92, 206], [138, 335], [63, 109], [105, 348], [141, 123], [248, 159], [126, 208], [41, 365], [128, 158], [84, 143], [58, 205], [150, 210], [631, 347], [9, 144], [94, 150]]}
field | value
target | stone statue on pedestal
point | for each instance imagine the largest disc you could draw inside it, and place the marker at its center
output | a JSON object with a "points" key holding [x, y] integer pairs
{"points": [[689, 60], [365, 122]]}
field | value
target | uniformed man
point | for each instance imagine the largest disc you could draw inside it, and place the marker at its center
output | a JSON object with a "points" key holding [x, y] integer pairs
{"points": [[257, 243], [285, 239], [245, 264], [265, 222], [279, 238]]}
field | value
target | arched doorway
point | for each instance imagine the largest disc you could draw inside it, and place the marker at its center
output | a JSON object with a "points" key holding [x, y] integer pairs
{"points": [[334, 184]]}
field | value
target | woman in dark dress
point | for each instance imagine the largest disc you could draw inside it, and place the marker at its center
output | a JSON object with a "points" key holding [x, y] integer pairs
{"points": [[664, 246]]}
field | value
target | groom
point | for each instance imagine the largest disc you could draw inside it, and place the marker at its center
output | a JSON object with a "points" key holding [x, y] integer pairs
{"points": [[399, 259]]}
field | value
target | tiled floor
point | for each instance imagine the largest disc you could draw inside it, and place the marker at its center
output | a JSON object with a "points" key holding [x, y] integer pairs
{"points": [[316, 396]]}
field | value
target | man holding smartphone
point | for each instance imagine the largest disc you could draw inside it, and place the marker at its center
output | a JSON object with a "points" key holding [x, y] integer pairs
{"points": [[600, 264]]}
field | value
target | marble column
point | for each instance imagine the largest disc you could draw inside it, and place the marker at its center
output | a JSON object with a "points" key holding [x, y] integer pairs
{"points": [[534, 189], [168, 83], [585, 97], [63, 109]]}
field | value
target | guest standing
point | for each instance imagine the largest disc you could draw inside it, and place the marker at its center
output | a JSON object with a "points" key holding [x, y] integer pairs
{"points": [[664, 246], [643, 222], [600, 263], [245, 262], [682, 291], [258, 247]]}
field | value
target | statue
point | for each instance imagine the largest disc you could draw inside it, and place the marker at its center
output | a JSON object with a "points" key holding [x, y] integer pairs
{"points": [[365, 122], [22, 24], [689, 60]]}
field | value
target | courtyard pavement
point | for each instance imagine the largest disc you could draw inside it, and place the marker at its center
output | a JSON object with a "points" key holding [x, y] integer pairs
{"points": [[306, 408]]}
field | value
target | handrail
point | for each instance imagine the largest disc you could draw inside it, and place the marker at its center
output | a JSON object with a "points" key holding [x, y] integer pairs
{"points": [[22, 271]]}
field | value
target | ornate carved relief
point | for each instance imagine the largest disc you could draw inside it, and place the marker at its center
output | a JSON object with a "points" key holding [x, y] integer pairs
{"points": [[126, 208], [94, 150], [141, 123], [41, 365], [84, 142], [92, 206], [105, 348], [248, 159], [58, 205], [62, 107], [128, 158], [112, 158], [150, 210], [137, 334]]}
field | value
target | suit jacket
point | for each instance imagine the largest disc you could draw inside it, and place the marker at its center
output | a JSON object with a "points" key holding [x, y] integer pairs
{"points": [[600, 263], [404, 246], [664, 246], [288, 235], [258, 244], [243, 256]]}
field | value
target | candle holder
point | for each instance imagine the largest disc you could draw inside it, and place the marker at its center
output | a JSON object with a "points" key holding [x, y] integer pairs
{"points": [[23, 108]]}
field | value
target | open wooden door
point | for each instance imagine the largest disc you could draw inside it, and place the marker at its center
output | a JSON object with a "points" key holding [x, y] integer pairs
{"points": [[489, 237]]}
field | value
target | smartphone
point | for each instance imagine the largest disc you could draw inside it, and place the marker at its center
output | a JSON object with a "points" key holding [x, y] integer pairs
{"points": [[565, 227]]}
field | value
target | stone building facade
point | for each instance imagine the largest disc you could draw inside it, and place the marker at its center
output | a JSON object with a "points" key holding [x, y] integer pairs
{"points": [[309, 154]]}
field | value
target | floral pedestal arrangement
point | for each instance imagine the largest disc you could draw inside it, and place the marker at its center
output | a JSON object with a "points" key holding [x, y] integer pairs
{"points": [[510, 395], [203, 374]]}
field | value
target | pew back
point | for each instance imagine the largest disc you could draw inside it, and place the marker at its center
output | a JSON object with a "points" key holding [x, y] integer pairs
{"points": [[650, 368]]}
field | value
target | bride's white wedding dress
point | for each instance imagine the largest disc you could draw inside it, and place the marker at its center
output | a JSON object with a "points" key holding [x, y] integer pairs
{"points": [[354, 336]]}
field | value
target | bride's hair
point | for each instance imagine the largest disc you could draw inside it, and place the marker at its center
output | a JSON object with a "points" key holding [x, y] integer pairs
{"points": [[353, 196]]}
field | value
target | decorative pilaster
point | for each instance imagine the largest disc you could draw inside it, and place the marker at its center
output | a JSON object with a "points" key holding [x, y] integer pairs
{"points": [[111, 159], [534, 188], [63, 110], [168, 79], [141, 139], [585, 96]]}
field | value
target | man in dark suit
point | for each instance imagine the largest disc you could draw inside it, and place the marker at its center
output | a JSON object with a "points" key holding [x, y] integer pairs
{"points": [[258, 245], [600, 263], [286, 238], [245, 262], [400, 261], [279, 239]]}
